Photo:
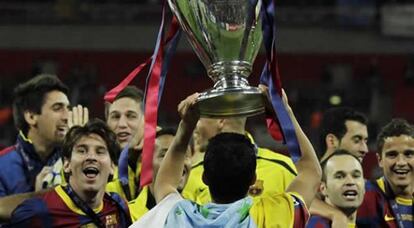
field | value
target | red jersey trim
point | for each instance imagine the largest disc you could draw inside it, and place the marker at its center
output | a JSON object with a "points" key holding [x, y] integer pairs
{"points": [[7, 150]]}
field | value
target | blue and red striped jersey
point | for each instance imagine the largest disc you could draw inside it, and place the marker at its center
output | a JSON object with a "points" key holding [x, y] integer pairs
{"points": [[317, 221], [376, 210], [56, 209]]}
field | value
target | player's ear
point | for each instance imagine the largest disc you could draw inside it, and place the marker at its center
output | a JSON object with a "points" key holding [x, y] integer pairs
{"points": [[380, 160], [66, 165], [112, 168], [331, 142], [30, 117], [322, 189]]}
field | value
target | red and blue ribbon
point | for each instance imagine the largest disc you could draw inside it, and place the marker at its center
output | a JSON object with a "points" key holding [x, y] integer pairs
{"points": [[282, 125], [153, 92]]}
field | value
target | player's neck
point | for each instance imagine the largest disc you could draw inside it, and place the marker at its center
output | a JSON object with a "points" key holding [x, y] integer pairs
{"points": [[43, 147], [403, 192], [348, 211], [227, 129], [92, 198], [352, 218]]}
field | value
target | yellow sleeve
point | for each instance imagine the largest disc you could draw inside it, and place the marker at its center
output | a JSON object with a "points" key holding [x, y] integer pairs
{"points": [[273, 210]]}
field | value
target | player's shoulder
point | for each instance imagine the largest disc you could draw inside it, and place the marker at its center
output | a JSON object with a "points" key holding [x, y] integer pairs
{"points": [[276, 159], [8, 152]]}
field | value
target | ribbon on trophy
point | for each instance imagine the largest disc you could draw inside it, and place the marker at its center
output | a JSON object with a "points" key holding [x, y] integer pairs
{"points": [[282, 125], [153, 93], [152, 96]]}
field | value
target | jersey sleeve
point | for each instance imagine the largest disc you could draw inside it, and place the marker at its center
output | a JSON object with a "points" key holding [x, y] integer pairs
{"points": [[279, 210], [302, 214], [31, 213], [316, 221]]}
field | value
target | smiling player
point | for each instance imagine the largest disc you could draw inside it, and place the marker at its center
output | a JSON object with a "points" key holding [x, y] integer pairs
{"points": [[389, 201], [89, 153]]}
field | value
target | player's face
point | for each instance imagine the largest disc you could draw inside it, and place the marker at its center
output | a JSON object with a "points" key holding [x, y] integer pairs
{"points": [[355, 139], [344, 187], [162, 143], [126, 119], [90, 164], [397, 160], [206, 129], [51, 124]]}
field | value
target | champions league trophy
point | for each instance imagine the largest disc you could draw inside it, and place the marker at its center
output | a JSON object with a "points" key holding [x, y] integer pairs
{"points": [[226, 35]]}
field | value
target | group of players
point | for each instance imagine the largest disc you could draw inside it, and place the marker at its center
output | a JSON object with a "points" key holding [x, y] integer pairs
{"points": [[63, 170]]}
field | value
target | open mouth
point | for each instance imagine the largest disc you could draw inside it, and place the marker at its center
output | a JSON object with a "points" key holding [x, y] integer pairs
{"points": [[401, 172], [62, 130], [91, 172], [350, 194], [123, 136], [361, 156]]}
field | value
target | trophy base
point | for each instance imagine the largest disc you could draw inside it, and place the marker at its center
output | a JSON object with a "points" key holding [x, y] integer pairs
{"points": [[231, 102]]}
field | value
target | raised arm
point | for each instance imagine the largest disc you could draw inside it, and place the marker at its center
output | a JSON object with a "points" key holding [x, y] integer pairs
{"points": [[309, 175], [171, 169]]}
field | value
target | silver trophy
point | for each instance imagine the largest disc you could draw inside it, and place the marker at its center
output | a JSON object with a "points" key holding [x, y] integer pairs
{"points": [[226, 35]]}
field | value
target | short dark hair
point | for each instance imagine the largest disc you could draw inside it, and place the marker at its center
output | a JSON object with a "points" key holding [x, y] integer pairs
{"points": [[130, 91], [339, 152], [395, 128], [30, 96], [229, 166], [165, 131], [94, 126], [333, 122]]}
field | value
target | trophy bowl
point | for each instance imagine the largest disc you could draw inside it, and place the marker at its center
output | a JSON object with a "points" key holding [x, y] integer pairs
{"points": [[226, 36]]}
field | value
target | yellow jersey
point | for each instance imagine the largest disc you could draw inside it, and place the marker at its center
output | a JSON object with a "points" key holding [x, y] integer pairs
{"points": [[279, 210], [139, 206], [115, 184]]}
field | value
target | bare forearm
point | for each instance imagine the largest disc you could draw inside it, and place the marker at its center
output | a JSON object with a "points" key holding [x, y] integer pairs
{"points": [[308, 161], [309, 175], [9, 203], [323, 209], [171, 169]]}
